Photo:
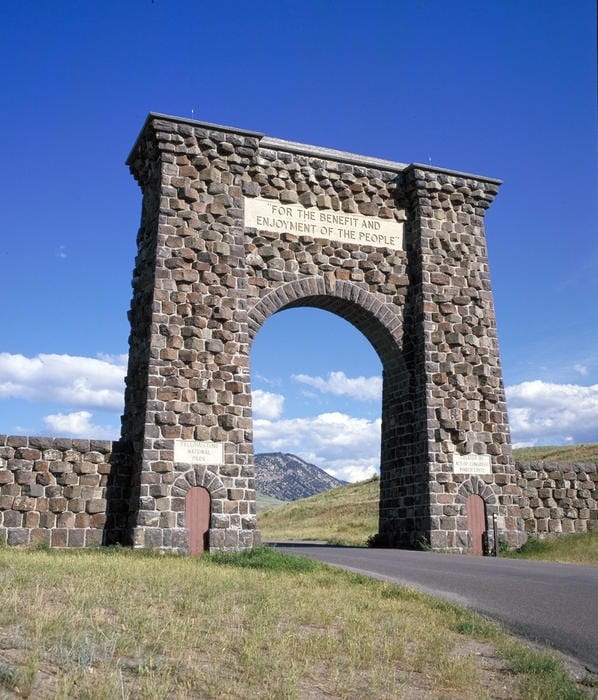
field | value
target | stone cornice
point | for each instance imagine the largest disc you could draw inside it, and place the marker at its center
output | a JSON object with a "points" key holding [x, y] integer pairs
{"points": [[296, 147]]}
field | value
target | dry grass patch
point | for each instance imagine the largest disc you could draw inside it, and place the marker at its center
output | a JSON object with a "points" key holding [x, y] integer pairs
{"points": [[344, 515], [121, 624], [558, 453]]}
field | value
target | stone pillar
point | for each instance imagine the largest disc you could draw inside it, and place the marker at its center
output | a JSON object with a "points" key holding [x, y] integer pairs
{"points": [[188, 374], [458, 392]]}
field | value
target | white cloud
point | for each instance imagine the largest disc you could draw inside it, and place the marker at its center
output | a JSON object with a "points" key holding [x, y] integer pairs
{"points": [[344, 446], [361, 388], [582, 369], [78, 424], [84, 382], [267, 380], [266, 404], [545, 413]]}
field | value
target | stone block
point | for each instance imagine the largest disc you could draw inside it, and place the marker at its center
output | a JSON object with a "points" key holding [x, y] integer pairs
{"points": [[40, 536], [31, 519], [82, 520], [12, 519], [65, 520], [16, 536], [93, 538], [96, 505], [59, 538], [24, 503], [47, 520], [6, 477], [97, 520], [57, 504], [75, 537]]}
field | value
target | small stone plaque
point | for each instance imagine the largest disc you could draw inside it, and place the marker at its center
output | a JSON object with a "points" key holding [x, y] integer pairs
{"points": [[198, 452], [272, 215], [472, 464]]}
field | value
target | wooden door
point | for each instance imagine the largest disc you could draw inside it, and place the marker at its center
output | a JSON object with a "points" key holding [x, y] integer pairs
{"points": [[476, 523], [197, 519]]}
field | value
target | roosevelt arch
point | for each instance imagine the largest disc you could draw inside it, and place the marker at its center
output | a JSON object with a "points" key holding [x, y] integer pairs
{"points": [[236, 226]]}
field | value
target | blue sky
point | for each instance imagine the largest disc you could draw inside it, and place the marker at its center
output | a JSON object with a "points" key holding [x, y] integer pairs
{"points": [[505, 89]]}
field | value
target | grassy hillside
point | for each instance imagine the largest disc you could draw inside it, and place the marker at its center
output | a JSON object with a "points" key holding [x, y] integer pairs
{"points": [[347, 515], [264, 502], [560, 453]]}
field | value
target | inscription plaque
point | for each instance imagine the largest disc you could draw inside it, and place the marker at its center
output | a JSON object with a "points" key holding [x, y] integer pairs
{"points": [[472, 464], [198, 452], [272, 215]]}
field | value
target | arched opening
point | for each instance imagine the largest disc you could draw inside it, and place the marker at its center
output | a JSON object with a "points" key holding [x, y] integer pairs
{"points": [[197, 519], [402, 522], [317, 390]]}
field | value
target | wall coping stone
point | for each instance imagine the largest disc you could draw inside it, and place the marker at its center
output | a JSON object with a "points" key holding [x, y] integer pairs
{"points": [[310, 150]]}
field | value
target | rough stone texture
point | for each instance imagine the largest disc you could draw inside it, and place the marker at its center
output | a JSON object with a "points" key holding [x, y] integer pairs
{"points": [[558, 498], [74, 493], [204, 285], [62, 492]]}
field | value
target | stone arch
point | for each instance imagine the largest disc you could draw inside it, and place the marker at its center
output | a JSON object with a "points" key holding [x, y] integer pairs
{"points": [[198, 476], [382, 324], [474, 485], [237, 226]]}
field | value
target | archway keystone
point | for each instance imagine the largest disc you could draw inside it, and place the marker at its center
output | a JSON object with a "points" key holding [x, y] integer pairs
{"points": [[237, 226]]}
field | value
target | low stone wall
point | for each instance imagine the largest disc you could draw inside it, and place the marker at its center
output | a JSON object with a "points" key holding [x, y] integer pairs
{"points": [[558, 498], [55, 491], [74, 493]]}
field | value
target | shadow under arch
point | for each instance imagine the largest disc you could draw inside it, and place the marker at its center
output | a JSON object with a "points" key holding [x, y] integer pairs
{"points": [[401, 475]]}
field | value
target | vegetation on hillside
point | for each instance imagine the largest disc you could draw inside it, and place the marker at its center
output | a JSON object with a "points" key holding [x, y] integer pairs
{"points": [[264, 502], [558, 453], [348, 515], [125, 624], [345, 515]]}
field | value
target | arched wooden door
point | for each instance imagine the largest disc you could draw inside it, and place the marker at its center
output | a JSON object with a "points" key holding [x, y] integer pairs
{"points": [[197, 519], [476, 523]]}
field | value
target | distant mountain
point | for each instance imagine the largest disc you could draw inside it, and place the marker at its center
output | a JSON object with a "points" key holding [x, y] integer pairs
{"points": [[289, 478]]}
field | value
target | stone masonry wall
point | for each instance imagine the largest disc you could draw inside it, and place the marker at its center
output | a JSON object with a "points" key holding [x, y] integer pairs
{"points": [[56, 491], [72, 493], [207, 277], [558, 498], [205, 281]]}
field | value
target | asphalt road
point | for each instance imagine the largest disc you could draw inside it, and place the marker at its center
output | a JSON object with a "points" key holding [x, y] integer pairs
{"points": [[552, 604]]}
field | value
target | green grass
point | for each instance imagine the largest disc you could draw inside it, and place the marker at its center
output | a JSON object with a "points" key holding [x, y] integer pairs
{"points": [[265, 559], [123, 624], [264, 502], [579, 548], [345, 515], [560, 453]]}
